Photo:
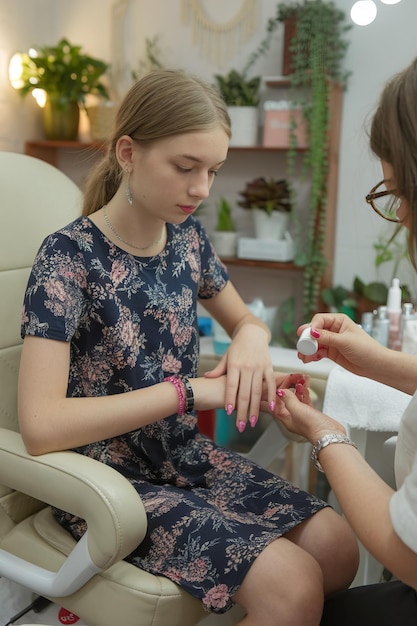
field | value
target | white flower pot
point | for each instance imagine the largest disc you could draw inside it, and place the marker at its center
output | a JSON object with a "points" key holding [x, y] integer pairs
{"points": [[270, 226], [244, 126], [225, 243]]}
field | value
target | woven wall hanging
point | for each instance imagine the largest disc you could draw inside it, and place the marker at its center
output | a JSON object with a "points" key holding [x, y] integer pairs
{"points": [[217, 41]]}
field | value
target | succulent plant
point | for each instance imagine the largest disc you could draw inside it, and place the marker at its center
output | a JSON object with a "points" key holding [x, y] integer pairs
{"points": [[237, 89], [269, 194]]}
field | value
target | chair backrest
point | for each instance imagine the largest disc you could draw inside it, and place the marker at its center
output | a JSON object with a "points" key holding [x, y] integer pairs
{"points": [[35, 200]]}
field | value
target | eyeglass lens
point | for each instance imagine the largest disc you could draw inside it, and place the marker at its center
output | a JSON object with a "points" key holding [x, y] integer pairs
{"points": [[387, 204]]}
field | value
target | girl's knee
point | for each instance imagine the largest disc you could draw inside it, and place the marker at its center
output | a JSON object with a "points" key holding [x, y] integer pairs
{"points": [[283, 586]]}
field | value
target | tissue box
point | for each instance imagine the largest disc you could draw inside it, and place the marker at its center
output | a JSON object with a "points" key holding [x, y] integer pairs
{"points": [[277, 125]]}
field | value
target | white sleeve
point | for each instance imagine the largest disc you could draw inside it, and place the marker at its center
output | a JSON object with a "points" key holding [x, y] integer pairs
{"points": [[403, 503]]}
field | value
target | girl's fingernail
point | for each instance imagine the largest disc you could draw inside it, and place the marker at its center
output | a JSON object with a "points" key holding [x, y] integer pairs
{"points": [[315, 333], [241, 426], [252, 420], [229, 409], [280, 393], [272, 405]]}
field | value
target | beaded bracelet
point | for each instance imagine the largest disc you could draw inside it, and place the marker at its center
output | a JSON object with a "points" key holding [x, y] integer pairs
{"points": [[181, 391], [326, 440], [189, 399]]}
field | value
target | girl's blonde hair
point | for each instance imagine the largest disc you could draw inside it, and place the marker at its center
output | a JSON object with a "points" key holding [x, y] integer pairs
{"points": [[161, 104]]}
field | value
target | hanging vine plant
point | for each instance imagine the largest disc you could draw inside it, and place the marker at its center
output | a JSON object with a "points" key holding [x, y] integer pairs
{"points": [[317, 49]]}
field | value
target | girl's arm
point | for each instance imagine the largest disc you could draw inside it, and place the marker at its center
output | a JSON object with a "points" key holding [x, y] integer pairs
{"points": [[50, 421]]}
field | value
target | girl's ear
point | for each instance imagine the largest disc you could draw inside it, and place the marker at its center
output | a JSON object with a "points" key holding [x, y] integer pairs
{"points": [[124, 152]]}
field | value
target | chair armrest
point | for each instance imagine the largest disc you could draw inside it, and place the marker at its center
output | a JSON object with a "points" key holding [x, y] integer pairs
{"points": [[113, 511]]}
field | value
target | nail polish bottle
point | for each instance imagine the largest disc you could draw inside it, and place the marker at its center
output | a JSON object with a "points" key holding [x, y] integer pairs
{"points": [[381, 326], [394, 313], [367, 322], [306, 344]]}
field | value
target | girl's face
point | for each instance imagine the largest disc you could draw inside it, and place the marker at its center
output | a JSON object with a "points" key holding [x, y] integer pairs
{"points": [[171, 177], [403, 212]]}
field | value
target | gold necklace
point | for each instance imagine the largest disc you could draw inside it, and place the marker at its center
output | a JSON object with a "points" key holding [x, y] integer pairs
{"points": [[114, 231]]}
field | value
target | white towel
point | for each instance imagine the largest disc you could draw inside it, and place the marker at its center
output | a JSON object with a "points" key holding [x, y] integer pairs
{"points": [[359, 402]]}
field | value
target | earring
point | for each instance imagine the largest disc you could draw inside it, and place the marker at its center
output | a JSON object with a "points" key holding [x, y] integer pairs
{"points": [[128, 191]]}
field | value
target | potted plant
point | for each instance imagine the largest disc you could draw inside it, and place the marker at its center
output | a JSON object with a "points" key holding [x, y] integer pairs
{"points": [[317, 46], [375, 293], [241, 95], [66, 75], [225, 235], [270, 202]]}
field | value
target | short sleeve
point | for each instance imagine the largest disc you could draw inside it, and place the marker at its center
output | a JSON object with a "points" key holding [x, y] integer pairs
{"points": [[214, 275], [403, 503], [54, 297]]}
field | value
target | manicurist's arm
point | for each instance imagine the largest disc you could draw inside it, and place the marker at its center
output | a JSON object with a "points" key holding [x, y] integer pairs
{"points": [[363, 496]]}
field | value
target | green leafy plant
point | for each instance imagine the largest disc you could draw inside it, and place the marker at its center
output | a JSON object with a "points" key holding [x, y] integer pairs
{"points": [[225, 221], [340, 299], [269, 194], [387, 249], [368, 296], [237, 89], [153, 58], [318, 48], [64, 72]]}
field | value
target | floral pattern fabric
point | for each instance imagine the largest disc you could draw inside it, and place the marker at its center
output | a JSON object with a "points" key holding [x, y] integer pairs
{"points": [[131, 321]]}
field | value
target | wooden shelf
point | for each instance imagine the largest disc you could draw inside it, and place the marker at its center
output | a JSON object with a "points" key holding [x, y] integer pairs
{"points": [[47, 150], [272, 265]]}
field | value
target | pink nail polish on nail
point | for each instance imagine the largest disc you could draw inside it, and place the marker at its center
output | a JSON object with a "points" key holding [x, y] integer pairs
{"points": [[229, 409], [241, 426], [314, 333], [272, 405], [252, 420], [280, 393]]}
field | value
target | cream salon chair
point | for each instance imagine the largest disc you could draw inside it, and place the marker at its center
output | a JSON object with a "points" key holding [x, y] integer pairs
{"points": [[88, 578]]}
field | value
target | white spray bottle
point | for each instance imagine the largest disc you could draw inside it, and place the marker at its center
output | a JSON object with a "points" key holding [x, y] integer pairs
{"points": [[394, 311]]}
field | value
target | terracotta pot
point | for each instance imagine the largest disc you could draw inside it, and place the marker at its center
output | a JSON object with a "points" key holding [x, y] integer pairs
{"points": [[61, 120]]}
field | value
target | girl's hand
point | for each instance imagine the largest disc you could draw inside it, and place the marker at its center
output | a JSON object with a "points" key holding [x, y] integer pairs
{"points": [[248, 366], [344, 342]]}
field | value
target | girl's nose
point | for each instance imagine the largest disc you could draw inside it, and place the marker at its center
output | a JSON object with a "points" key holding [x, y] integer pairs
{"points": [[200, 188]]}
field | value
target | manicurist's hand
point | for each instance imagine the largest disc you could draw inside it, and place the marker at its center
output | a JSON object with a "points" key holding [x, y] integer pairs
{"points": [[344, 342], [296, 412]]}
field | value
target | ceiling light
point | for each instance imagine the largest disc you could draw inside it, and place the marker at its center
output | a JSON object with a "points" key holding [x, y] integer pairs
{"points": [[363, 12]]}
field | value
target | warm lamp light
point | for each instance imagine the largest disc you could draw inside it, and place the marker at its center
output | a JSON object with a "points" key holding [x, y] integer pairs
{"points": [[15, 71], [363, 12], [40, 97]]}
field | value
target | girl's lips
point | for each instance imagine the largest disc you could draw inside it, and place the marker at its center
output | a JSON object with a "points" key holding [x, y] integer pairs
{"points": [[187, 209]]}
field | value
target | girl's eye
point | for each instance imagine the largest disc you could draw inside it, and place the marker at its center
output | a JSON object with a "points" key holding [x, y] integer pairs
{"points": [[214, 172], [184, 169]]}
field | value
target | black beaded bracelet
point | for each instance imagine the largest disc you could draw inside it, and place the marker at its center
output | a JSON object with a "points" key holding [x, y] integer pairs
{"points": [[189, 395]]}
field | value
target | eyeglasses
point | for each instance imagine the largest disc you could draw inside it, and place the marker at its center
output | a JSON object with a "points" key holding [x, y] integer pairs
{"points": [[384, 201]]}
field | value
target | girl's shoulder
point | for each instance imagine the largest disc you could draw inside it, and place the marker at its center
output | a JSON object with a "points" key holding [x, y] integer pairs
{"points": [[77, 234]]}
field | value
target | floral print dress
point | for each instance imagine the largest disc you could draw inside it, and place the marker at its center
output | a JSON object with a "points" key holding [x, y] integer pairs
{"points": [[132, 321]]}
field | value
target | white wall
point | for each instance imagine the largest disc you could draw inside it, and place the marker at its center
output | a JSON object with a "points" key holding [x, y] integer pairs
{"points": [[375, 53]]}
